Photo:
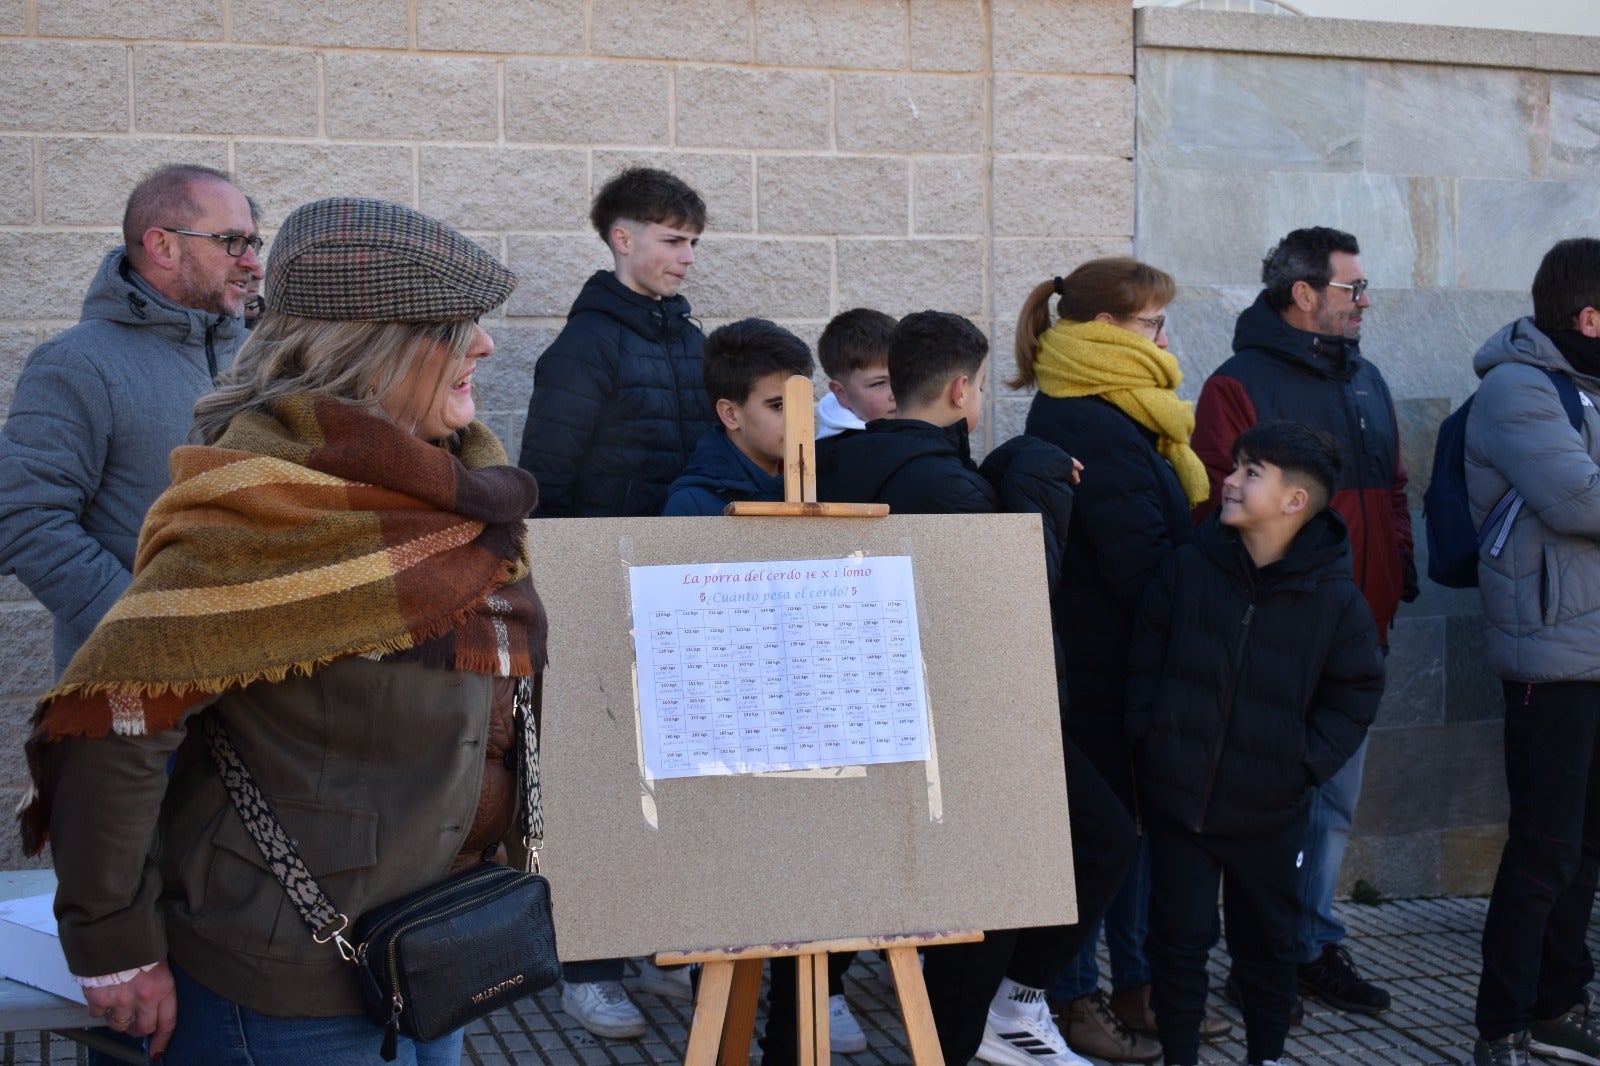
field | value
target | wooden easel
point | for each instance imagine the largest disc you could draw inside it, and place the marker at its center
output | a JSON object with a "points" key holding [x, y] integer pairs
{"points": [[730, 981]]}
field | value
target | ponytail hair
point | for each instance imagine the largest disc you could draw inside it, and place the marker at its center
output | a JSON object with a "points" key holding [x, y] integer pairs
{"points": [[1120, 286]]}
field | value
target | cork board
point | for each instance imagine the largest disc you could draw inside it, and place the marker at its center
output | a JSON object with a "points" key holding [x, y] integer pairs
{"points": [[975, 838]]}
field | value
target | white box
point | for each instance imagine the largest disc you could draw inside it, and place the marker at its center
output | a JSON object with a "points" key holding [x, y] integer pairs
{"points": [[30, 947]]}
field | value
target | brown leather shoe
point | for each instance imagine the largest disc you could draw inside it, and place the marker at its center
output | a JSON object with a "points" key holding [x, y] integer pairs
{"points": [[1214, 1026], [1132, 1006], [1092, 1029]]}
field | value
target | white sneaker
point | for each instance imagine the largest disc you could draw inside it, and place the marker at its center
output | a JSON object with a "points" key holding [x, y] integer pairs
{"points": [[1026, 1041], [844, 1032], [603, 1008], [668, 984]]}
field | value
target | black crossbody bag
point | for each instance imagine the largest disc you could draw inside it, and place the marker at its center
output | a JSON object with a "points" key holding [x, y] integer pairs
{"points": [[433, 961]]}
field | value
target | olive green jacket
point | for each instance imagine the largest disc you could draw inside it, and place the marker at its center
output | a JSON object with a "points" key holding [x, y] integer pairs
{"points": [[373, 768]]}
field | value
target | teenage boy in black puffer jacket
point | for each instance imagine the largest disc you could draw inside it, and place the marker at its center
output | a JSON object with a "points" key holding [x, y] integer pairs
{"points": [[618, 400], [988, 998], [618, 405], [1254, 672]]}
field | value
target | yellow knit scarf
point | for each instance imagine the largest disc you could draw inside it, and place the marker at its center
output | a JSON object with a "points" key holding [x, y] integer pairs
{"points": [[1125, 369]]}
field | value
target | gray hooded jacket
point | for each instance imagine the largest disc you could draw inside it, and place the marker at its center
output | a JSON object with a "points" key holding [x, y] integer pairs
{"points": [[98, 409], [1541, 596]]}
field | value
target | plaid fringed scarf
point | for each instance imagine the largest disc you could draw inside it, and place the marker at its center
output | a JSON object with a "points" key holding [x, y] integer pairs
{"points": [[305, 535]]}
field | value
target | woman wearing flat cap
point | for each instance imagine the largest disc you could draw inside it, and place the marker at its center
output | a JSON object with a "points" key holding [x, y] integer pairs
{"points": [[338, 578]]}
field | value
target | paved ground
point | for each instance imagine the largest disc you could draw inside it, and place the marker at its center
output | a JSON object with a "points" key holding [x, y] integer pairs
{"points": [[1424, 951]]}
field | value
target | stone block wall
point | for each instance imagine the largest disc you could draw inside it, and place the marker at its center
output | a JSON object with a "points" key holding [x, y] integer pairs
{"points": [[901, 154], [1456, 157]]}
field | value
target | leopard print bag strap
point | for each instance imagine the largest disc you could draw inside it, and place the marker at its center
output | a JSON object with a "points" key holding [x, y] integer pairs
{"points": [[277, 847], [530, 813]]}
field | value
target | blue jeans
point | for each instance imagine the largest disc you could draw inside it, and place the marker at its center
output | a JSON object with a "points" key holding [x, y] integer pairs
{"points": [[1127, 923], [214, 1032], [1333, 809]]}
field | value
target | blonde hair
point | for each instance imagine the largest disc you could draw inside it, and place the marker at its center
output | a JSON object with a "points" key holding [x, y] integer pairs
{"points": [[1117, 285], [356, 363]]}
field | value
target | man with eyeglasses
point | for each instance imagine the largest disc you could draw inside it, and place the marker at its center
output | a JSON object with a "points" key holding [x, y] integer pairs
{"points": [[99, 407], [1297, 357]]}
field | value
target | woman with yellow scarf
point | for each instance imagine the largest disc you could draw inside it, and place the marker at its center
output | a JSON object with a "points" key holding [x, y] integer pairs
{"points": [[1108, 397]]}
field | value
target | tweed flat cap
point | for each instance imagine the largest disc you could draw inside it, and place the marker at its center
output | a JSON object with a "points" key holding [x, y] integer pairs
{"points": [[354, 259]]}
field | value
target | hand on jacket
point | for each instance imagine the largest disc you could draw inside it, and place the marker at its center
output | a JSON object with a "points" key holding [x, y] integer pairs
{"points": [[144, 1006]]}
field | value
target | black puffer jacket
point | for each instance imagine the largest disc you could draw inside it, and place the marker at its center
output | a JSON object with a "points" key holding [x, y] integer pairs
{"points": [[913, 466], [1033, 476], [618, 404], [1246, 687], [1128, 515]]}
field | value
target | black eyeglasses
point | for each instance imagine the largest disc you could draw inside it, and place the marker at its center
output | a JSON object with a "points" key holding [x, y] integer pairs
{"points": [[1154, 323], [1358, 288], [232, 243]]}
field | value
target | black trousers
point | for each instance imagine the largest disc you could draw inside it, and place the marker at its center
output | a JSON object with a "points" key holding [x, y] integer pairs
{"points": [[1259, 880], [779, 1039], [963, 978], [1535, 961]]}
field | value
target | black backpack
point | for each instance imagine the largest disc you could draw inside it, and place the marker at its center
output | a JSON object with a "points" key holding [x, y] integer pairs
{"points": [[1454, 542]]}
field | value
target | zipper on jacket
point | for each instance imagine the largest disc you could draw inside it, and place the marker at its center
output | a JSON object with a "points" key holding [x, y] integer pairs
{"points": [[1361, 477], [211, 349], [1227, 716]]}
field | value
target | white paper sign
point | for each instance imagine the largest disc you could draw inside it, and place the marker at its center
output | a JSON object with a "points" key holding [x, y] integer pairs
{"points": [[799, 664]]}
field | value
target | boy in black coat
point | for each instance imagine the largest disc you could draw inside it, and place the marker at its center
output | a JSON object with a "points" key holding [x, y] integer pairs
{"points": [[745, 365], [618, 401], [618, 404], [988, 998], [1253, 675]]}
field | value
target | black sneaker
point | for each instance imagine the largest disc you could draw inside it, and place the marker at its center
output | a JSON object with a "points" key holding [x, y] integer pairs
{"points": [[1230, 992], [1507, 1051], [1333, 979], [1574, 1036]]}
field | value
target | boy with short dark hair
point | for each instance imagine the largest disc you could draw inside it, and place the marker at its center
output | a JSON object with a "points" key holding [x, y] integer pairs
{"points": [[745, 365], [988, 998], [919, 461], [854, 352], [618, 403], [1253, 675], [617, 406]]}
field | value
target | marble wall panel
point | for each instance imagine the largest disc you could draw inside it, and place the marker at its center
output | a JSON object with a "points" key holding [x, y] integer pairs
{"points": [[1574, 127], [1402, 866], [1207, 227], [1404, 224], [1472, 693], [1507, 226], [1429, 777], [1468, 859], [1227, 111], [1456, 121], [1418, 339], [1200, 328], [1419, 420], [1413, 692]]}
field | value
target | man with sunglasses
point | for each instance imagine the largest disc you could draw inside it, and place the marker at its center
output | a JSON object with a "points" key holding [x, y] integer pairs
{"points": [[99, 407], [1297, 356]]}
